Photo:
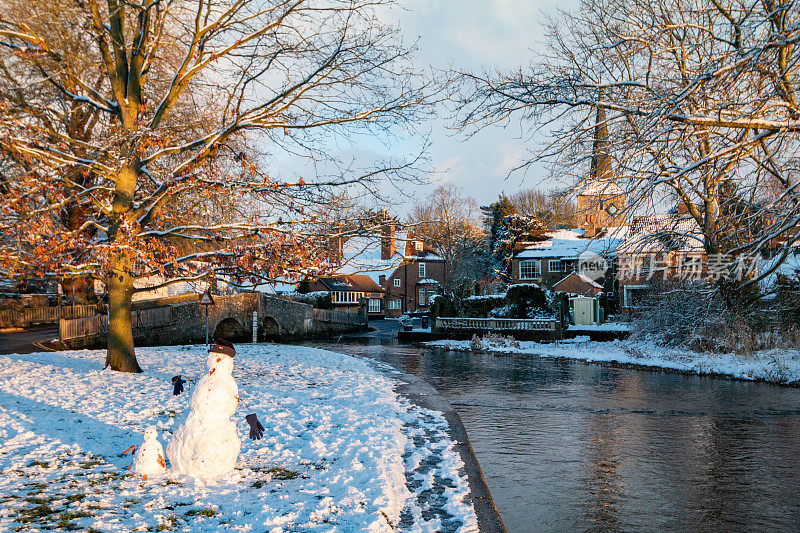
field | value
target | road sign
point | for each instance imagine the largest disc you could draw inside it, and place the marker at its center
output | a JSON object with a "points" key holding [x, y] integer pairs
{"points": [[206, 299]]}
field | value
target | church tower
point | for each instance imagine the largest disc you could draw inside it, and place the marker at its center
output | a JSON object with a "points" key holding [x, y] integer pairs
{"points": [[601, 202]]}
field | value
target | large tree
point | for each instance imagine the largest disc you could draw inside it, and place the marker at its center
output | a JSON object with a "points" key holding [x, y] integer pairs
{"points": [[176, 103], [449, 222], [699, 99]]}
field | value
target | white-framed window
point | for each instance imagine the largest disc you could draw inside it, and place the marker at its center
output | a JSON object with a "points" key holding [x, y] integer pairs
{"points": [[422, 300], [530, 269], [396, 282], [555, 265], [632, 295], [374, 305], [418, 245], [394, 303], [422, 273]]}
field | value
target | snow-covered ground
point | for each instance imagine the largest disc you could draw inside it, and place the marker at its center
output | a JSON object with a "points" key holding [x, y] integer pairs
{"points": [[780, 366], [341, 450]]}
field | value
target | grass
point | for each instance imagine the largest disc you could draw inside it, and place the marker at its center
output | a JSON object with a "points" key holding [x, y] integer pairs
{"points": [[36, 513], [172, 521], [65, 521], [201, 512], [277, 473]]}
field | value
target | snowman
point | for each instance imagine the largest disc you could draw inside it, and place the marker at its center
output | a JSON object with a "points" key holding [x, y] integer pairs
{"points": [[206, 445], [149, 458]]}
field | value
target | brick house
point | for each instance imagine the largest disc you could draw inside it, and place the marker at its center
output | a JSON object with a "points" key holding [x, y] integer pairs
{"points": [[553, 259], [410, 288], [576, 283], [658, 247], [405, 270], [351, 292]]}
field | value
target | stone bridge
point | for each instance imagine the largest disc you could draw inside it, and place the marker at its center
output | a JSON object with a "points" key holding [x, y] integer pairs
{"points": [[231, 317]]}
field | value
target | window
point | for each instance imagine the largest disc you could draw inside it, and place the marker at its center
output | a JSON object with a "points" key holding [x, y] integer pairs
{"points": [[555, 265], [422, 270], [418, 245], [530, 269], [422, 300], [374, 305], [396, 282], [394, 304]]}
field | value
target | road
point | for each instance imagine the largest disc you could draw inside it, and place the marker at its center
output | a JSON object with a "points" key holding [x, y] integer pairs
{"points": [[25, 341]]}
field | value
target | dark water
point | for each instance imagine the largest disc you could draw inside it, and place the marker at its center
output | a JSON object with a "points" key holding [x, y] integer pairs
{"points": [[568, 446]]}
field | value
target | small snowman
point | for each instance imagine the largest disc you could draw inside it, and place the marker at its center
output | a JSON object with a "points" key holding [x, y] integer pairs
{"points": [[149, 458], [207, 445]]}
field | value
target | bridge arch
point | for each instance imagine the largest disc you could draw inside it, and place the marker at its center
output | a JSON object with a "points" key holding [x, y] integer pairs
{"points": [[230, 329], [270, 328]]}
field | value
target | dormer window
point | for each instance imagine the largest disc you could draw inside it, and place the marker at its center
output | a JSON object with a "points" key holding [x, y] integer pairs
{"points": [[418, 245]]}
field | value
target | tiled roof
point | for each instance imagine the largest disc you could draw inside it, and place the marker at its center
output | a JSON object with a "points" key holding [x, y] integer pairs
{"points": [[352, 282], [663, 233], [568, 244]]}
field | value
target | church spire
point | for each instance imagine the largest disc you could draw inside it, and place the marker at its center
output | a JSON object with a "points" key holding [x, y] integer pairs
{"points": [[601, 159]]}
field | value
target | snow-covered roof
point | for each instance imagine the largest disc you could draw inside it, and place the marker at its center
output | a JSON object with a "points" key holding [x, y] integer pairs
{"points": [[352, 282], [592, 187], [361, 254], [663, 233], [789, 268], [427, 281], [568, 244], [582, 277]]}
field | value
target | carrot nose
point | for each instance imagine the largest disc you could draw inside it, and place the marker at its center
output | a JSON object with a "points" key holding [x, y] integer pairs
{"points": [[218, 359]]}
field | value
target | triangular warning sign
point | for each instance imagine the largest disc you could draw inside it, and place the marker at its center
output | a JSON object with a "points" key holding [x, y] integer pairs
{"points": [[206, 299]]}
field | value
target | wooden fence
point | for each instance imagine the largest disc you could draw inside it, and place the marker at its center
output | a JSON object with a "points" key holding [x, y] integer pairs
{"points": [[98, 324], [43, 315], [496, 324], [340, 317]]}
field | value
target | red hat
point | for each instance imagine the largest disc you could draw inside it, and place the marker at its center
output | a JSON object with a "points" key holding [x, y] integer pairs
{"points": [[222, 346]]}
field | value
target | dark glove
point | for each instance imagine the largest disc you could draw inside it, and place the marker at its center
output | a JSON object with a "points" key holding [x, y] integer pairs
{"points": [[256, 429], [177, 382]]}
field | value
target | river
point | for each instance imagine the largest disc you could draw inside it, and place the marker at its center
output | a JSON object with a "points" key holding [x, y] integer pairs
{"points": [[570, 446]]}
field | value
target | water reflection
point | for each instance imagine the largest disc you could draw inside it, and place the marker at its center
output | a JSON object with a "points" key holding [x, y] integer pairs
{"points": [[567, 446]]}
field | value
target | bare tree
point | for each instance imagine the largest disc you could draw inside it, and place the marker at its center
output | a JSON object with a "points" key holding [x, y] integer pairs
{"points": [[185, 99], [552, 210], [449, 222], [699, 99]]}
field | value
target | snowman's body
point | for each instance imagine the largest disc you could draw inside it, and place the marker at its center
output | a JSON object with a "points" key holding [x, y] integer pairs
{"points": [[207, 445], [149, 458]]}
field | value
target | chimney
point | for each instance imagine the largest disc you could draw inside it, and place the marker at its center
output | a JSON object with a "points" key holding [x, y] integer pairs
{"points": [[387, 238]]}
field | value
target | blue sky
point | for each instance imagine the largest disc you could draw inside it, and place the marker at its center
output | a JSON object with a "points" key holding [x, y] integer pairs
{"points": [[476, 35], [468, 35]]}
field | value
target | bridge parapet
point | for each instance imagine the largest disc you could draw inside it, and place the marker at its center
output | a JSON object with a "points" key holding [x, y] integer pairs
{"points": [[231, 317]]}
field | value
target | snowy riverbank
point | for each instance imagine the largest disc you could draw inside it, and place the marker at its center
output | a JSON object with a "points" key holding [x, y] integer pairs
{"points": [[341, 450], [779, 366]]}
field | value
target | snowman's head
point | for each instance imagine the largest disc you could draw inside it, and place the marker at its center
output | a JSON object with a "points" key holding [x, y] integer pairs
{"points": [[220, 357], [150, 434]]}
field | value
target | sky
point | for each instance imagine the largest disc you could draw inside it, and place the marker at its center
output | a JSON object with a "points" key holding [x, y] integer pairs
{"points": [[470, 35], [476, 35]]}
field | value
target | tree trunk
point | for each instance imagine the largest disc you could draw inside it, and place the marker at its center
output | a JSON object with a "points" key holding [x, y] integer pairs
{"points": [[120, 355]]}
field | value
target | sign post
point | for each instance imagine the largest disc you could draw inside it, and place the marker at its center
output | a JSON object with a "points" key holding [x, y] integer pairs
{"points": [[205, 301]]}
